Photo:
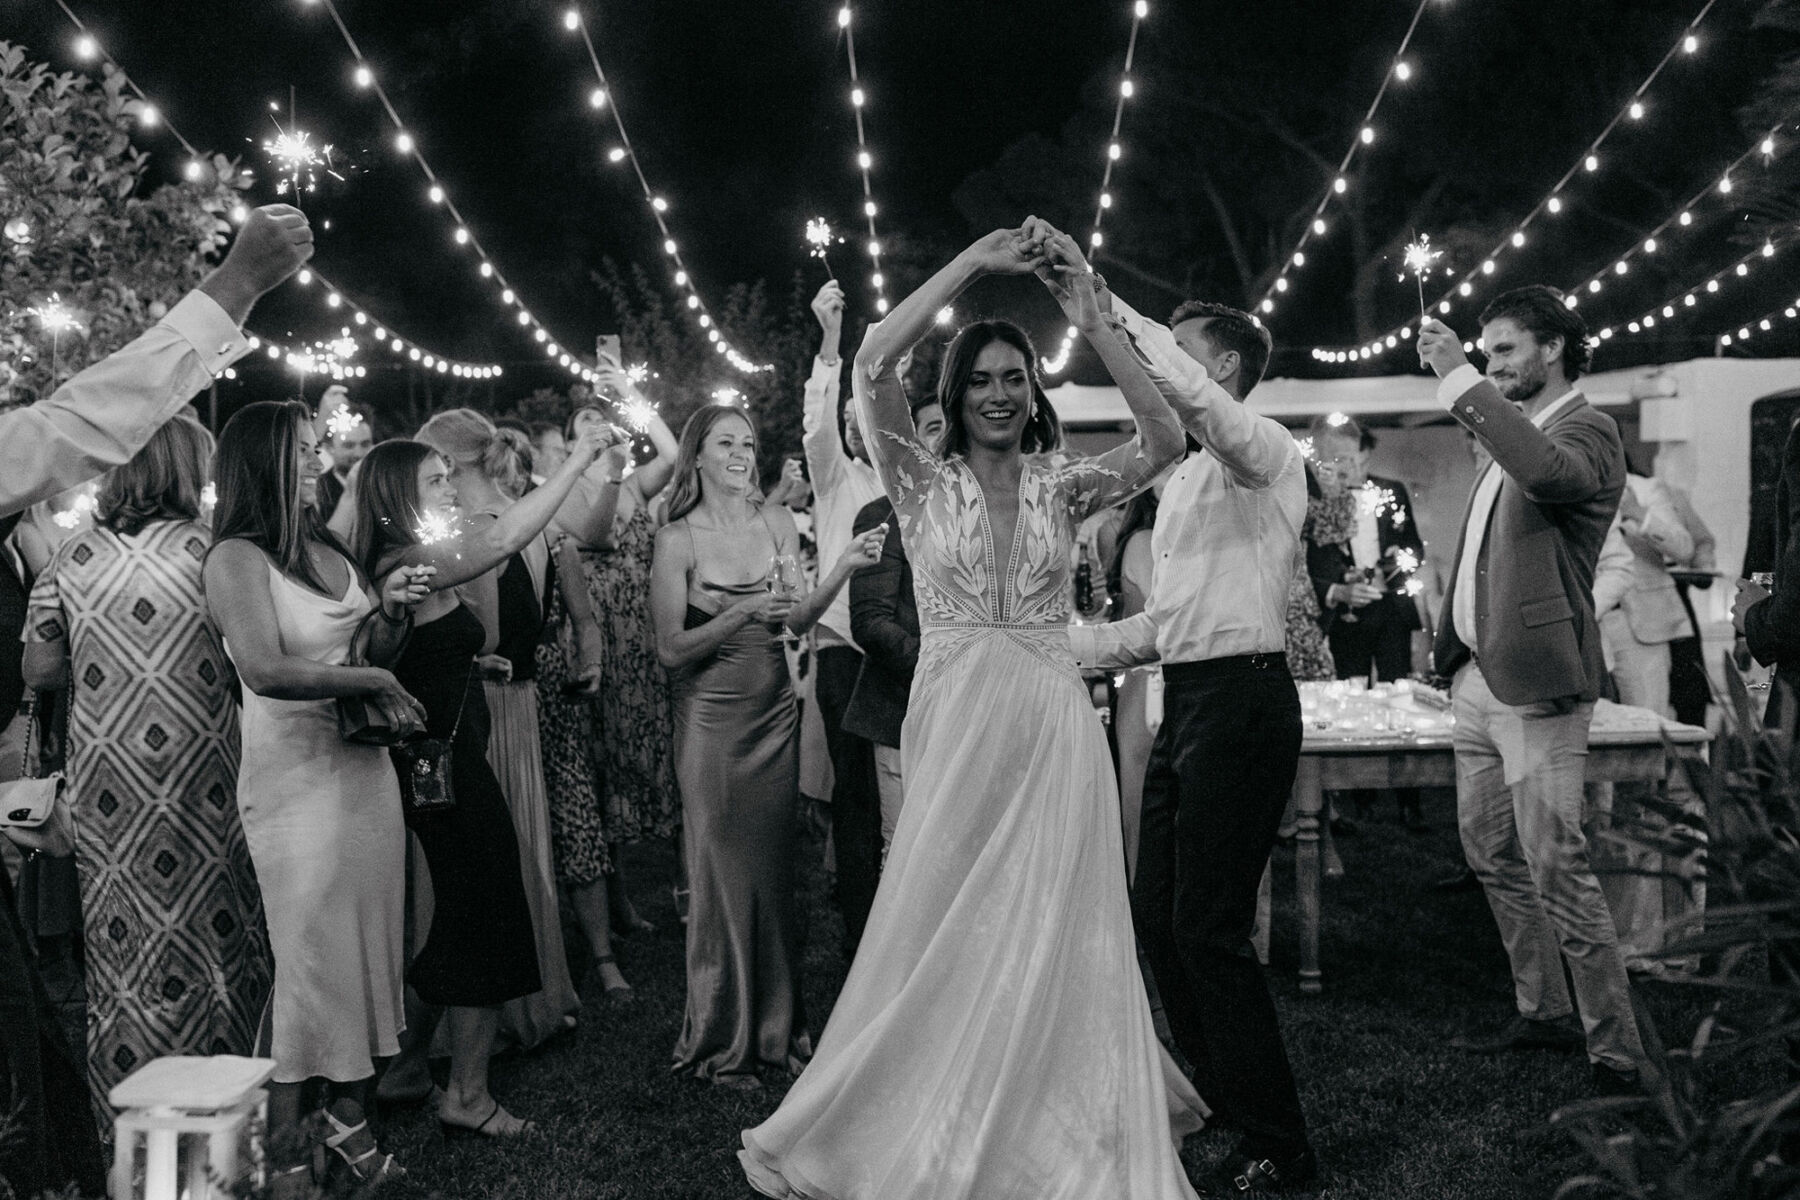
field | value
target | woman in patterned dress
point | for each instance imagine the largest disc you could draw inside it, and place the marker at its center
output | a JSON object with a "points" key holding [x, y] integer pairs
{"points": [[636, 726], [177, 961]]}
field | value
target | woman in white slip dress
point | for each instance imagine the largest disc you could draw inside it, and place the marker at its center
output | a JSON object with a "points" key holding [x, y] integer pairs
{"points": [[993, 1040], [321, 815]]}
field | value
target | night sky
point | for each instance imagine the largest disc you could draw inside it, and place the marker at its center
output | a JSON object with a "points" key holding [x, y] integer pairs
{"points": [[738, 110]]}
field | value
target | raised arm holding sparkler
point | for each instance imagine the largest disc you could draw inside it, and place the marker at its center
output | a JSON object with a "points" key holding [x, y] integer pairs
{"points": [[642, 485]]}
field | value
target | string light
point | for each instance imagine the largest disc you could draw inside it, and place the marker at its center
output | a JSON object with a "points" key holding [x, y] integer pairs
{"points": [[865, 161], [1692, 298], [1551, 204], [1105, 202], [1764, 324], [1399, 71], [623, 152], [405, 143]]}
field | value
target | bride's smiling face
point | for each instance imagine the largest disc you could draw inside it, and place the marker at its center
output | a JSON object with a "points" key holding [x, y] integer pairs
{"points": [[996, 404]]}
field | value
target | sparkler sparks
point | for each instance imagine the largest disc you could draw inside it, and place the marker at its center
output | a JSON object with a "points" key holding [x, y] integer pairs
{"points": [[342, 423], [434, 528], [638, 373], [1419, 259], [636, 412], [55, 317], [727, 395], [298, 160], [1406, 560], [820, 237]]}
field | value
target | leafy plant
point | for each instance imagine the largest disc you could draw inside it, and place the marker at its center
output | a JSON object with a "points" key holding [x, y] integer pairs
{"points": [[1691, 1142], [81, 221]]}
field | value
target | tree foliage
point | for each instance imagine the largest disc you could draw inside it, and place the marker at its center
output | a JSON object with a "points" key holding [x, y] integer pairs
{"points": [[82, 222]]}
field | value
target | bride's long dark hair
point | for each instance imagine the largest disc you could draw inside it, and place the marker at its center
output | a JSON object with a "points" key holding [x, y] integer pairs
{"points": [[1043, 432]]}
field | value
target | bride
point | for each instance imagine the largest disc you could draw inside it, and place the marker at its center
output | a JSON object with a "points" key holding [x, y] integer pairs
{"points": [[993, 1040]]}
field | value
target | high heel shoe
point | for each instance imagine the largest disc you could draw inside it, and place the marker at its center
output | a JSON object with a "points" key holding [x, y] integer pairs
{"points": [[454, 1132], [362, 1168]]}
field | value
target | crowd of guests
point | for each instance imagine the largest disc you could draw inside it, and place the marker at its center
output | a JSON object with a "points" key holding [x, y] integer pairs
{"points": [[576, 650]]}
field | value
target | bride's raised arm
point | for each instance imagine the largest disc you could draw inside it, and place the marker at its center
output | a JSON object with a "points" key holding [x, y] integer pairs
{"points": [[881, 406]]}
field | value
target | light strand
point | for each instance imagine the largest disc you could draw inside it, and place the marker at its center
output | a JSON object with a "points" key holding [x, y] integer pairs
{"points": [[865, 161], [683, 279], [1550, 204], [1115, 150], [1764, 324], [407, 144], [331, 298], [1399, 71], [89, 47], [1691, 298]]}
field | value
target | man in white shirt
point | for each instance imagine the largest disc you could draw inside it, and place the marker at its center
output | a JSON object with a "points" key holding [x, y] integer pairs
{"points": [[1227, 533], [1519, 637], [842, 482], [104, 415]]}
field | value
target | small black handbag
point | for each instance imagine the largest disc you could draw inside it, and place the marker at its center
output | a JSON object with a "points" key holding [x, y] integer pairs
{"points": [[423, 765]]}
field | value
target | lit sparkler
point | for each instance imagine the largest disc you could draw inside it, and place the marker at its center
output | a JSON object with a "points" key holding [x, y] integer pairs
{"points": [[56, 319], [209, 498], [638, 373], [636, 412], [342, 423], [727, 395], [1419, 259], [433, 528], [819, 237], [298, 160]]}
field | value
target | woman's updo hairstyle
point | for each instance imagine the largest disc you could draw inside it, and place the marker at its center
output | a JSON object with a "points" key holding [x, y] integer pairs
{"points": [[471, 442]]}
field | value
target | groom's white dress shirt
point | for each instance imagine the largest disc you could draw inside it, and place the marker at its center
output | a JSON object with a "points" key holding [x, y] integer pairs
{"points": [[1227, 527]]}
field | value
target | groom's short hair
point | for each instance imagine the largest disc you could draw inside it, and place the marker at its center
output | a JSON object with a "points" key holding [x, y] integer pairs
{"points": [[1231, 329]]}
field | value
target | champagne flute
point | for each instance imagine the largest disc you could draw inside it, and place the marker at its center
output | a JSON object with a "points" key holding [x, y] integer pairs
{"points": [[784, 581]]}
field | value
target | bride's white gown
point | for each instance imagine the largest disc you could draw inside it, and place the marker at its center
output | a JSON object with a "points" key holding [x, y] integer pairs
{"points": [[993, 1040]]}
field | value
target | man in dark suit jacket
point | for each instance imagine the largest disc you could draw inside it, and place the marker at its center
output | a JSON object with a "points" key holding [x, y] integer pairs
{"points": [[885, 623], [1519, 635]]}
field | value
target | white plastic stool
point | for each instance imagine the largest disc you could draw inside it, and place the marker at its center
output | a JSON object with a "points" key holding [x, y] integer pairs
{"points": [[171, 1101]]}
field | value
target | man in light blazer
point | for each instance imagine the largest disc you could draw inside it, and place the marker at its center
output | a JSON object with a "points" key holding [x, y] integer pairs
{"points": [[1634, 594], [1519, 635]]}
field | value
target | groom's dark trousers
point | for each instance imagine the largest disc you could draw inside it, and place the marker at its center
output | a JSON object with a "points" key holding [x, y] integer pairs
{"points": [[1214, 791]]}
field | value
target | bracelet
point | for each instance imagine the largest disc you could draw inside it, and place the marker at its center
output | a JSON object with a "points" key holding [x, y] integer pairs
{"points": [[404, 619]]}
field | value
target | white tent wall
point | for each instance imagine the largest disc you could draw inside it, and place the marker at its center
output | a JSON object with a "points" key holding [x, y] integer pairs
{"points": [[1691, 419]]}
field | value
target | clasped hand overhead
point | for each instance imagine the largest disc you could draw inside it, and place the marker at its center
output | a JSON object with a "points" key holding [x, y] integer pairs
{"points": [[1039, 248]]}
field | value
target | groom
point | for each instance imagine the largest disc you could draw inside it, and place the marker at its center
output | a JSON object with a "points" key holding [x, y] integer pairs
{"points": [[1226, 537]]}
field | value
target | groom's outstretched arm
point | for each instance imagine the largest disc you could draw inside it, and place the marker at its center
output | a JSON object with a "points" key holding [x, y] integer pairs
{"points": [[1116, 645]]}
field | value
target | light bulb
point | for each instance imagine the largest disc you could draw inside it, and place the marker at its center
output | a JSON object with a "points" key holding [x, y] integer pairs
{"points": [[1518, 239], [1367, 135], [1690, 43], [1592, 163], [1649, 245], [844, 17], [597, 98], [616, 154], [1555, 205], [571, 20], [149, 116], [1687, 218], [192, 170], [868, 208], [1281, 283], [1620, 268], [486, 270], [1105, 199], [507, 297], [86, 47], [1299, 258], [404, 143], [1113, 151], [1768, 146], [668, 245], [436, 194], [856, 97], [1141, 9], [462, 236], [681, 278], [364, 77], [1403, 70], [1487, 268], [1725, 185], [874, 249], [1340, 185], [1318, 227], [1095, 239], [1126, 88], [693, 301], [1636, 110], [877, 281], [659, 204]]}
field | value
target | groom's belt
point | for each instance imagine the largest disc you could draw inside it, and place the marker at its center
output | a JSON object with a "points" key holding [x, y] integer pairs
{"points": [[1231, 665]]}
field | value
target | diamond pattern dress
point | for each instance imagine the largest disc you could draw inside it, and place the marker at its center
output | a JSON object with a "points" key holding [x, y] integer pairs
{"points": [[177, 960], [993, 1040]]}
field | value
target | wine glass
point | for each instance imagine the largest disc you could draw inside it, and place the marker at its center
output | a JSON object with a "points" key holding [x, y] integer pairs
{"points": [[784, 581]]}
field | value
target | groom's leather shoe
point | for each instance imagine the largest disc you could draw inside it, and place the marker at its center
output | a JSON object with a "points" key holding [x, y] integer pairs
{"points": [[1523, 1033], [1243, 1174]]}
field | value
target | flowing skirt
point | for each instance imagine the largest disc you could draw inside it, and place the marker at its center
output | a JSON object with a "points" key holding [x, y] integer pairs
{"points": [[993, 1040], [515, 753]]}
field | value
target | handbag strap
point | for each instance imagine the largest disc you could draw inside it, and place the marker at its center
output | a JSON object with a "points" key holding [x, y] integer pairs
{"points": [[31, 727], [468, 682]]}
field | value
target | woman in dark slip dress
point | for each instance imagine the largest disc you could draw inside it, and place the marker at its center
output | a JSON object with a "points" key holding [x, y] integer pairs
{"points": [[737, 737], [480, 951]]}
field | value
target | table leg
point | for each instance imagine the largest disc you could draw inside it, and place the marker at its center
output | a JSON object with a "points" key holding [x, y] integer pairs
{"points": [[1309, 799]]}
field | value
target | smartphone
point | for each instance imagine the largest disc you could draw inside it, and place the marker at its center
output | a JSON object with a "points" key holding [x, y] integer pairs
{"points": [[606, 346]]}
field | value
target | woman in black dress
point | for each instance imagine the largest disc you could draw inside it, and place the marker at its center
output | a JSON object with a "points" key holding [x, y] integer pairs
{"points": [[480, 951]]}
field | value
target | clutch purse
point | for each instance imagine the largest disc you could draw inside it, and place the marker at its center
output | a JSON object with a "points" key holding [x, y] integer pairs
{"points": [[423, 764], [38, 809], [360, 719]]}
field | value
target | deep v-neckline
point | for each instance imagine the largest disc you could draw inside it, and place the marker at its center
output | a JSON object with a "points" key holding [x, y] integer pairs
{"points": [[1001, 583]]}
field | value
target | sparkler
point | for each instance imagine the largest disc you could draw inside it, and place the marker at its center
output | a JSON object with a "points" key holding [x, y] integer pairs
{"points": [[638, 373], [727, 395], [434, 528], [819, 237], [636, 412], [56, 319], [342, 423], [295, 155], [1419, 260]]}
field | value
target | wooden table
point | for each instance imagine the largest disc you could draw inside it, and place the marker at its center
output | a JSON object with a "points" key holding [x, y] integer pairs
{"points": [[1626, 744]]}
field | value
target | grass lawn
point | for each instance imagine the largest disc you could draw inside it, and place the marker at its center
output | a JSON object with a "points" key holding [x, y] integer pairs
{"points": [[1396, 1113]]}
